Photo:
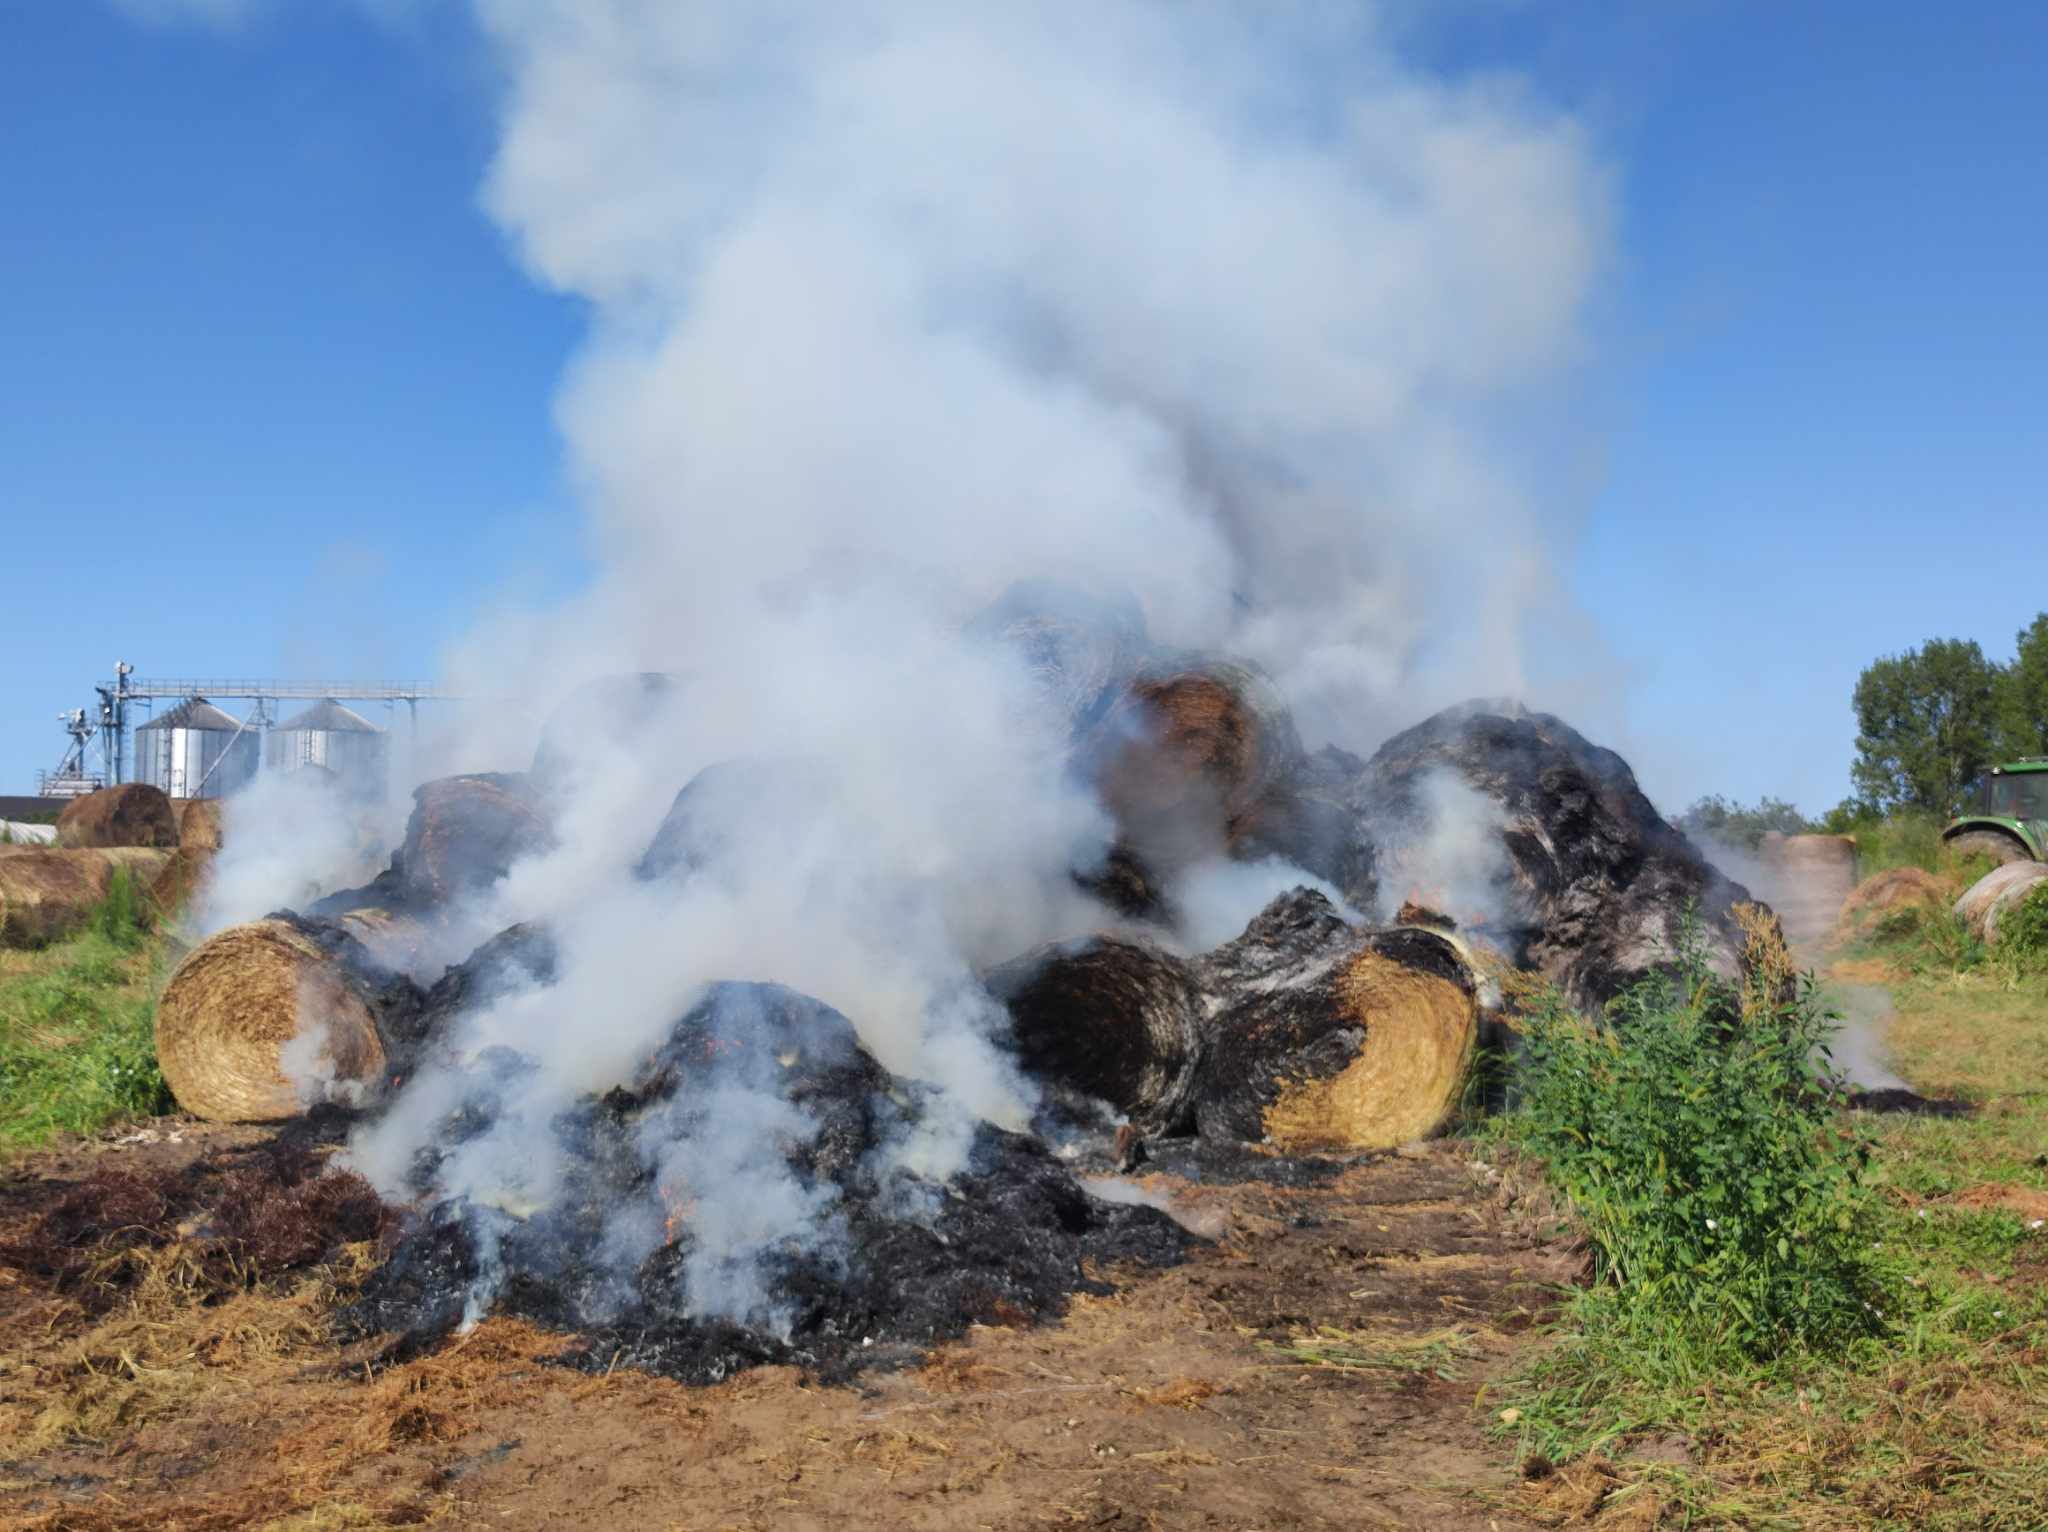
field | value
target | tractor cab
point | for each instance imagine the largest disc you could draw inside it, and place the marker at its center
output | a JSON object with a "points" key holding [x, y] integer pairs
{"points": [[2005, 813]]}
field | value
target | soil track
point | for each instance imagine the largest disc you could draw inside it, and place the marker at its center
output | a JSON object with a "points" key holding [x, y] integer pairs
{"points": [[1317, 1366]]}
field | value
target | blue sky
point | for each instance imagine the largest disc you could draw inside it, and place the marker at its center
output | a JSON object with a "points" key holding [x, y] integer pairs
{"points": [[274, 398]]}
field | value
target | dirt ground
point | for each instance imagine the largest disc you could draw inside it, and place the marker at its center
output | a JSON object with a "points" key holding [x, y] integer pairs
{"points": [[1322, 1364]]}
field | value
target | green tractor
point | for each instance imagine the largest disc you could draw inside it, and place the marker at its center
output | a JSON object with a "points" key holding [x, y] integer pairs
{"points": [[2006, 814]]}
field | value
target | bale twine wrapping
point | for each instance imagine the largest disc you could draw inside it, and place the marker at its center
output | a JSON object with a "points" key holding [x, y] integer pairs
{"points": [[199, 821], [1985, 901], [1808, 880], [47, 893], [233, 1005], [131, 814]]}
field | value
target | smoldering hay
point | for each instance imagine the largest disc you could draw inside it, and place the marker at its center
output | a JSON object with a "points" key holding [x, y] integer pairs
{"points": [[879, 326]]}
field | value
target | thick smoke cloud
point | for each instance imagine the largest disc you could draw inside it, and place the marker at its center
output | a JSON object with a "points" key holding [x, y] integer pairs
{"points": [[1221, 308]]}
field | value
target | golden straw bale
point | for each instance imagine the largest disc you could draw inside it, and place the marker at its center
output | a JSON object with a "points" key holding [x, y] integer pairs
{"points": [[131, 814], [231, 1007], [199, 823], [47, 892]]}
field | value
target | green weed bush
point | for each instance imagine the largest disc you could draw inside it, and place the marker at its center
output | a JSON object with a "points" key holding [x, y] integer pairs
{"points": [[2023, 932], [1693, 1132]]}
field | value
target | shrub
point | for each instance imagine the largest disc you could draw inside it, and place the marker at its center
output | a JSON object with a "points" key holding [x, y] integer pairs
{"points": [[122, 917], [1693, 1131], [2023, 932]]}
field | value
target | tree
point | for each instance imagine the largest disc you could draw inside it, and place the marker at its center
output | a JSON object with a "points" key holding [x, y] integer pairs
{"points": [[1717, 819], [2023, 694], [1925, 725]]}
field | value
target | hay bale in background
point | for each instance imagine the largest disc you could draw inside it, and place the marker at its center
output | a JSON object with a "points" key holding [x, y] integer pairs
{"points": [[132, 814], [199, 821], [47, 893], [1808, 879], [1116, 1020], [465, 833], [1895, 888], [175, 885], [1986, 900], [1333, 1038], [240, 997]]}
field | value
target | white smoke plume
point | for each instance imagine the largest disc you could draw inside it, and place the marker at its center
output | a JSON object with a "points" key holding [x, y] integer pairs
{"points": [[1226, 307], [1449, 856], [288, 838]]}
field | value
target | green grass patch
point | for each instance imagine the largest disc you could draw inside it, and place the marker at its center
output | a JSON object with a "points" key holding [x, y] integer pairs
{"points": [[1935, 1414], [76, 1046]]}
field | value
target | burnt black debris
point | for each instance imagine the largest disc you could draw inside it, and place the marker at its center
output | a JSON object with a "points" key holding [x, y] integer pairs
{"points": [[883, 1262]]}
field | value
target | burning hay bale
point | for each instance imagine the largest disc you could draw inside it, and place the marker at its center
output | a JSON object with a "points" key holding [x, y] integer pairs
{"points": [[1117, 1020], [199, 823], [261, 1020], [1078, 647], [672, 1243], [1191, 757], [1991, 896], [132, 814], [1307, 1032], [1580, 878], [47, 893], [702, 826], [465, 833], [1327, 1037]]}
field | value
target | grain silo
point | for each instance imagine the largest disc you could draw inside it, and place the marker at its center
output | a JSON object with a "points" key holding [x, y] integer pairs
{"points": [[194, 750], [335, 739]]}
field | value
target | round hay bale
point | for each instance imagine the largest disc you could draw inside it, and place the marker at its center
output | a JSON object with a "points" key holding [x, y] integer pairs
{"points": [[180, 878], [1895, 888], [131, 814], [239, 1000], [1331, 1038], [47, 893], [1984, 901], [466, 832], [1113, 1019], [199, 821], [1807, 879], [1078, 647]]}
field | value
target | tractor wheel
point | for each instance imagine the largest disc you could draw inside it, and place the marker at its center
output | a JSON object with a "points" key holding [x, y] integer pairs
{"points": [[1996, 844]]}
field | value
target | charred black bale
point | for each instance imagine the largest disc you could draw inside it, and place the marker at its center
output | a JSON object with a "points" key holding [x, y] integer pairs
{"points": [[518, 958], [1597, 882], [886, 1261], [1116, 1020], [1327, 1036]]}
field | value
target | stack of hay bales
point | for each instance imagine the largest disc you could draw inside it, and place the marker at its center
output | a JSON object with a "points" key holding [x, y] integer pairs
{"points": [[1306, 1033], [47, 892]]}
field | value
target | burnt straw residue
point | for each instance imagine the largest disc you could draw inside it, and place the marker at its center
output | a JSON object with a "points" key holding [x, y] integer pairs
{"points": [[823, 1245], [247, 1217]]}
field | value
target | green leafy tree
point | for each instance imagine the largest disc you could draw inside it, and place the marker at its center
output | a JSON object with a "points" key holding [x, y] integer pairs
{"points": [[2023, 694], [1925, 725], [1735, 824]]}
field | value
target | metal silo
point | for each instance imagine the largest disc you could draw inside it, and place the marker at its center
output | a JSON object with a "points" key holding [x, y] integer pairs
{"points": [[194, 750], [335, 739]]}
